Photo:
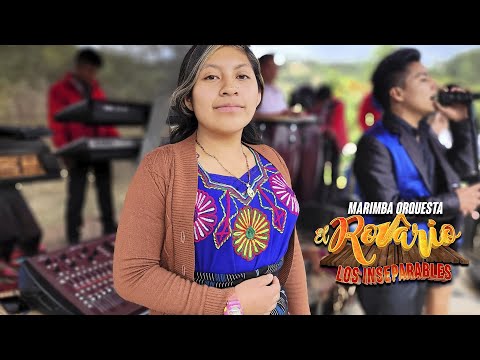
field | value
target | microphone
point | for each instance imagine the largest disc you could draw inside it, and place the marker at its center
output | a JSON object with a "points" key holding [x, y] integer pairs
{"points": [[446, 98]]}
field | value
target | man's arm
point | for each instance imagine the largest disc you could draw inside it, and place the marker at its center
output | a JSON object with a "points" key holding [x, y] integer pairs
{"points": [[461, 154], [375, 174]]}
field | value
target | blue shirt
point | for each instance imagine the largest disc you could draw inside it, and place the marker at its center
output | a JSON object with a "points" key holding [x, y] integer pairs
{"points": [[235, 233]]}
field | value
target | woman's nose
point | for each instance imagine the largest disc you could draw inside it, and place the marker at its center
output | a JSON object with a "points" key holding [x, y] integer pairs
{"points": [[229, 88]]}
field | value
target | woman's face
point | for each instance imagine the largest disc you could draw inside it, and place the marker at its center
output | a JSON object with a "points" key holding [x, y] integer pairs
{"points": [[226, 93]]}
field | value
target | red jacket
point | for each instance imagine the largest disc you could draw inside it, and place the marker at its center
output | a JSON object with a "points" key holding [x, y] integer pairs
{"points": [[368, 105], [64, 93], [337, 123]]}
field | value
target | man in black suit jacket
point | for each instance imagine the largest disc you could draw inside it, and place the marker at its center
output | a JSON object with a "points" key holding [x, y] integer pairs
{"points": [[402, 85]]}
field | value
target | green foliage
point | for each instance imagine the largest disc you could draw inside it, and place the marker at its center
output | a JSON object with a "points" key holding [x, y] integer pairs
{"points": [[26, 71]]}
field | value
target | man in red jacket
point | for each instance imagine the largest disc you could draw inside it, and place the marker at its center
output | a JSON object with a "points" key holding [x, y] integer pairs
{"points": [[77, 85]]}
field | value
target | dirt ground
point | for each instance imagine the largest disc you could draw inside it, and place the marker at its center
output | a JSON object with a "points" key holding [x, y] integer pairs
{"points": [[47, 200]]}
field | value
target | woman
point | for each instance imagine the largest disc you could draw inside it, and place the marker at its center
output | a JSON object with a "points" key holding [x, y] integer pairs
{"points": [[208, 224]]}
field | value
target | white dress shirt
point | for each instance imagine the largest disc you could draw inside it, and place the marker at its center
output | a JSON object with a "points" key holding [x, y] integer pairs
{"points": [[273, 100]]}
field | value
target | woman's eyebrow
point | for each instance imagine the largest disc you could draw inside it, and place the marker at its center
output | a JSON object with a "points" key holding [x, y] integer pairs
{"points": [[219, 67]]}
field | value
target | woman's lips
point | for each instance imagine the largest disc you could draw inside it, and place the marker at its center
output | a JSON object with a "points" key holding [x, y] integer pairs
{"points": [[229, 108]]}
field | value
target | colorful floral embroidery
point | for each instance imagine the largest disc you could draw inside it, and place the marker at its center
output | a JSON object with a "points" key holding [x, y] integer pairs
{"points": [[224, 231], [284, 193], [224, 215], [251, 233], [268, 201], [205, 217]]}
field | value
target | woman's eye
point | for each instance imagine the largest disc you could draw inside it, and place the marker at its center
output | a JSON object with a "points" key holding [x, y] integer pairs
{"points": [[210, 77], [243, 77]]}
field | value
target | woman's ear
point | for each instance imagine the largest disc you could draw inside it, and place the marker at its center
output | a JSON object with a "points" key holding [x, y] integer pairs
{"points": [[188, 104], [259, 98]]}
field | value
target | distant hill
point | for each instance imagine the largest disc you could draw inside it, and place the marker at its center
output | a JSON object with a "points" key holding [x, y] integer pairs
{"points": [[463, 69]]}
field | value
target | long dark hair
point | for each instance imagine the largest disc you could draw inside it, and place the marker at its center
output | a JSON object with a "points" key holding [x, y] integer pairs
{"points": [[181, 118]]}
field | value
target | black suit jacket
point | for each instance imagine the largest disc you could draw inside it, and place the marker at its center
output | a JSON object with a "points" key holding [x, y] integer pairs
{"points": [[375, 172]]}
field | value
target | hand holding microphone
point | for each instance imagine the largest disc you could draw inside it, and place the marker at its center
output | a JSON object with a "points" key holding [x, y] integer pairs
{"points": [[447, 97], [453, 102]]}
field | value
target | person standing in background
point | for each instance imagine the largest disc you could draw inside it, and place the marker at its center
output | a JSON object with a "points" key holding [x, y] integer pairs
{"points": [[273, 101], [401, 160], [331, 113], [77, 85]]}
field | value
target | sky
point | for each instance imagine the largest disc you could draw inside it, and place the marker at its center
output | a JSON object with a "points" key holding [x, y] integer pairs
{"points": [[431, 54]]}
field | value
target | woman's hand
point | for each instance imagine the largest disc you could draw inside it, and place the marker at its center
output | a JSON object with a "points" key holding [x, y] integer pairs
{"points": [[259, 295]]}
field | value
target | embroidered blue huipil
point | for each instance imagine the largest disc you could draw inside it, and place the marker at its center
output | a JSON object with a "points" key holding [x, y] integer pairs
{"points": [[235, 233], [238, 237]]}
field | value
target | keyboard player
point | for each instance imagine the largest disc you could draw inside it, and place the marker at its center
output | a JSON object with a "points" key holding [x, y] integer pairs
{"points": [[79, 84]]}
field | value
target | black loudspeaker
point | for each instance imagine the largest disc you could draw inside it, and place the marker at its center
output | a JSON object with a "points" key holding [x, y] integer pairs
{"points": [[19, 226]]}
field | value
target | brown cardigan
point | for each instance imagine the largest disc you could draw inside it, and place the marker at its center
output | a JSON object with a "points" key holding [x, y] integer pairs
{"points": [[154, 259]]}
